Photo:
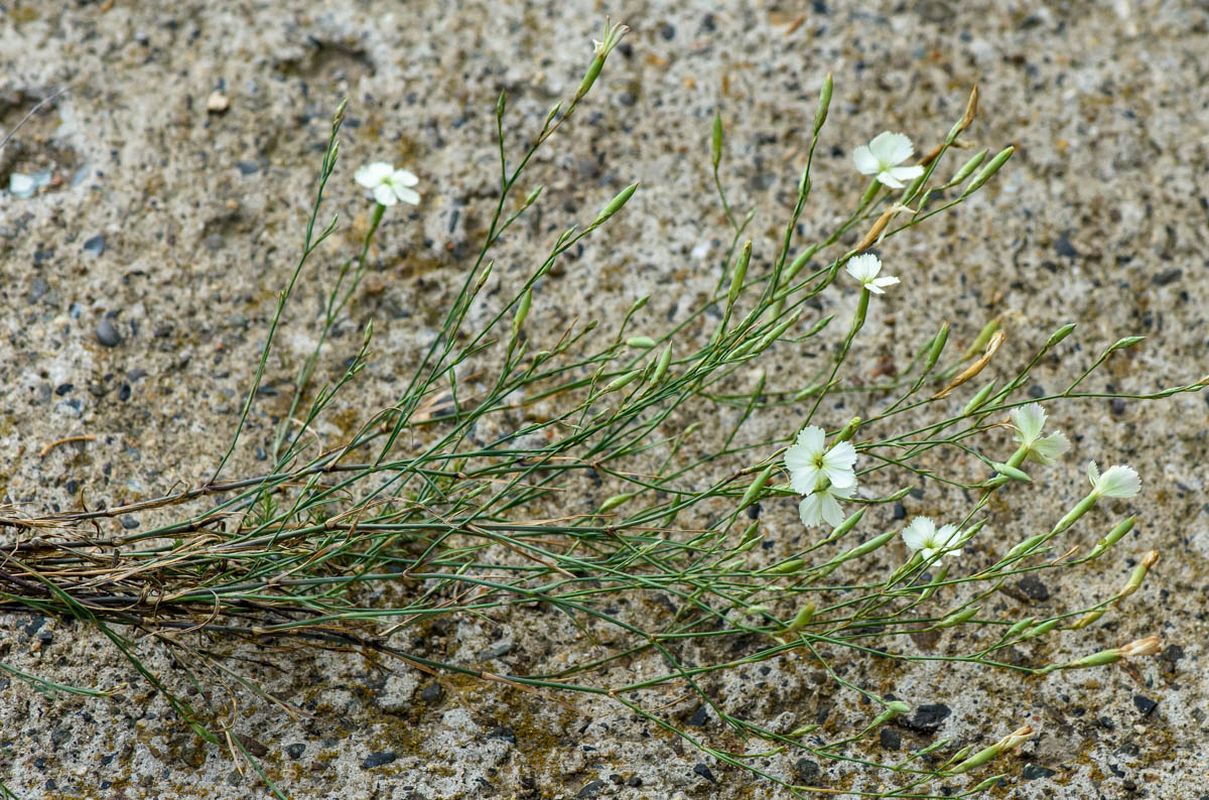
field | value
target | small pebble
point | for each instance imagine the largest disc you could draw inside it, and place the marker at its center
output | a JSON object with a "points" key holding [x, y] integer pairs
{"points": [[107, 333], [807, 771], [379, 759], [1144, 704], [1033, 588], [591, 789], [704, 772], [95, 244], [927, 718], [1032, 772], [217, 102]]}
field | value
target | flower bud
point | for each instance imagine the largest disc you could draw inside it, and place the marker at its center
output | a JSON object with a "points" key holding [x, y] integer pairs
{"points": [[715, 145], [987, 172], [615, 204]]}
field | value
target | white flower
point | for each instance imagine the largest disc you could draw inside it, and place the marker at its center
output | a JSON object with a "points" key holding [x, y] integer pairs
{"points": [[882, 156], [821, 506], [1029, 421], [808, 461], [1117, 481], [865, 268], [922, 536], [388, 184]]}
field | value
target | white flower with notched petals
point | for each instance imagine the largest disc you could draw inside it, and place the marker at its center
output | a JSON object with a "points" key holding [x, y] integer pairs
{"points": [[822, 506], [1117, 481], [389, 185], [865, 269], [923, 537], [1029, 422], [882, 156], [808, 461]]}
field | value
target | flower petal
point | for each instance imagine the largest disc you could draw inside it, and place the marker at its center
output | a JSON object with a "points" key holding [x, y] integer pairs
{"points": [[919, 532], [887, 179], [373, 174], [402, 177], [1119, 481], [1029, 421], [907, 173], [888, 280], [866, 162], [804, 480], [830, 510], [812, 437], [811, 510], [385, 195], [1093, 472], [864, 267], [891, 148], [408, 195], [1048, 448], [947, 536], [841, 456]]}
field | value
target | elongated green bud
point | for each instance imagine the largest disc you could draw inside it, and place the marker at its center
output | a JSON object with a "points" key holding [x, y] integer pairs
{"points": [[1040, 629], [817, 327], [892, 710], [757, 486], [866, 548], [979, 400], [751, 538], [736, 280], [1014, 473], [1060, 334], [1088, 619], [932, 748], [665, 360], [616, 500], [785, 567], [615, 204], [622, 381], [522, 312], [820, 113], [845, 526], [1115, 535], [640, 342], [1024, 547], [849, 430], [501, 104], [1121, 344], [987, 172], [483, 276], [715, 145], [779, 331], [532, 198], [1019, 627], [1009, 742], [986, 785], [958, 617], [968, 167], [938, 346], [801, 619]]}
